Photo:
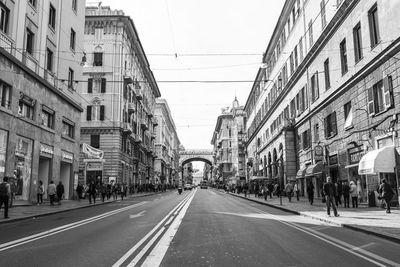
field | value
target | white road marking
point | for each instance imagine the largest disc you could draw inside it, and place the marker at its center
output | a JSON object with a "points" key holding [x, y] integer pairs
{"points": [[157, 254], [63, 228], [135, 247], [132, 216], [364, 246]]}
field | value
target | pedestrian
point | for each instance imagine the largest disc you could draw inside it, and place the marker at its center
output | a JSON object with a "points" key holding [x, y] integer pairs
{"points": [[122, 191], [60, 192], [330, 193], [245, 189], [103, 191], [40, 192], [386, 193], [256, 190], [51, 192], [346, 194], [339, 192], [115, 191], [289, 191], [79, 191], [265, 191], [354, 194], [5, 193], [109, 190], [296, 189], [92, 192], [310, 192], [270, 189]]}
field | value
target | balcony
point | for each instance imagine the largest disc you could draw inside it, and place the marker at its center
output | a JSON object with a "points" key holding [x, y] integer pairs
{"points": [[49, 77], [155, 121], [143, 123], [30, 62], [131, 108], [7, 43], [138, 139], [138, 94], [153, 136], [127, 128]]}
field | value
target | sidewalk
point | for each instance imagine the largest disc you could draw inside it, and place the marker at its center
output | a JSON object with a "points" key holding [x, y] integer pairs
{"points": [[23, 212], [370, 220]]}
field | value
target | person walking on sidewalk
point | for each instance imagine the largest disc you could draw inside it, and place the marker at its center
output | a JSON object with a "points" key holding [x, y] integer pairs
{"points": [[270, 190], [346, 194], [79, 191], [296, 189], [386, 192], [265, 191], [51, 192], [310, 192], [354, 194], [40, 192], [330, 194], [92, 192], [245, 189], [289, 190], [60, 192], [339, 193], [5, 193]]}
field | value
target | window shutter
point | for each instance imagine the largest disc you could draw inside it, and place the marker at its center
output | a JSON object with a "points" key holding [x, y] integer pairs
{"points": [[305, 97], [371, 106], [103, 85], [333, 123], [316, 85], [326, 127], [102, 112], [90, 86], [388, 91], [89, 113], [300, 139]]}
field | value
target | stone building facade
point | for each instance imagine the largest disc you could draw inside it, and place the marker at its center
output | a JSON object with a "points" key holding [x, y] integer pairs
{"points": [[119, 99], [40, 70], [328, 93]]}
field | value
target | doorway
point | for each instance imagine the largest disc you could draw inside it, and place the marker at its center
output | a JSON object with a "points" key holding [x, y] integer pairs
{"points": [[65, 177]]}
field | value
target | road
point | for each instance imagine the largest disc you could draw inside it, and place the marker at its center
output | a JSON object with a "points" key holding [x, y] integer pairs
{"points": [[202, 227]]}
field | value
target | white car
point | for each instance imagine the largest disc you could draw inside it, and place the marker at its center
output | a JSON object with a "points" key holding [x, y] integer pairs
{"points": [[188, 187]]}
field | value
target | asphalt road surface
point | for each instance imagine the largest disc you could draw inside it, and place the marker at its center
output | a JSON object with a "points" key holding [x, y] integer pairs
{"points": [[202, 227]]}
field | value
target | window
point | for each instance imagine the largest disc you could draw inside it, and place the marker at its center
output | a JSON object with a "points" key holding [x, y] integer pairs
{"points": [[95, 140], [96, 85], [74, 5], [288, 25], [380, 96], [95, 113], [26, 108], [357, 42], [323, 14], [29, 41], [5, 95], [348, 115], [68, 129], [47, 117], [292, 108], [301, 49], [71, 78], [326, 72], [49, 55], [330, 125], [52, 17], [97, 59], [314, 87], [310, 33], [373, 25], [296, 62], [301, 101], [72, 40], [306, 139], [316, 132], [343, 56], [32, 2], [4, 18], [291, 64]]}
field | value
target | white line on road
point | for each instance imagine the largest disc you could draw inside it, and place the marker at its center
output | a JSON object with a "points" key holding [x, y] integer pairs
{"points": [[137, 245], [132, 216], [63, 228]]}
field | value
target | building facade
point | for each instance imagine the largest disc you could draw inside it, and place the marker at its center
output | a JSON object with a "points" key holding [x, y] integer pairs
{"points": [[119, 101], [327, 95], [228, 142], [40, 109], [167, 146]]}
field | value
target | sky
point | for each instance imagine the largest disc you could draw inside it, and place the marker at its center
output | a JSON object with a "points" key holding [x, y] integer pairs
{"points": [[207, 40]]}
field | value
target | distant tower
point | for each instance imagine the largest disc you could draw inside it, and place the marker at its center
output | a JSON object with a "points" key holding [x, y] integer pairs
{"points": [[235, 103]]}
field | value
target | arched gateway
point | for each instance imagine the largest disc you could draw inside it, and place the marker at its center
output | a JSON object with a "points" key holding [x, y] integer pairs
{"points": [[186, 156]]}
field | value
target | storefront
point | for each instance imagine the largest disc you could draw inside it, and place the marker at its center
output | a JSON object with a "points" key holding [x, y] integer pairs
{"points": [[354, 156], [315, 173], [66, 172], [94, 164], [3, 153], [301, 181], [20, 182], [46, 153]]}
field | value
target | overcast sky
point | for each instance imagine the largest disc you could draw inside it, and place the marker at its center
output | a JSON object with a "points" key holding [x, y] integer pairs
{"points": [[207, 40]]}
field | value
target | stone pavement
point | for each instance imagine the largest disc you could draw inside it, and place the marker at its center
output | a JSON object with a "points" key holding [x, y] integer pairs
{"points": [[371, 220], [22, 212]]}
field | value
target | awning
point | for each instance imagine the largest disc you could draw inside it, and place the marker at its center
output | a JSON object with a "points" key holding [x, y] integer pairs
{"points": [[300, 173], [315, 169], [256, 178], [379, 160]]}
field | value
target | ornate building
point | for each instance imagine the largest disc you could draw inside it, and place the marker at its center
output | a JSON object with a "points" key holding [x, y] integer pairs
{"points": [[40, 70], [119, 100], [328, 94], [167, 145]]}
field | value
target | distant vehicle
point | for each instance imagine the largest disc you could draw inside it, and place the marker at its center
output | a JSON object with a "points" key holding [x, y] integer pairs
{"points": [[188, 187], [203, 185]]}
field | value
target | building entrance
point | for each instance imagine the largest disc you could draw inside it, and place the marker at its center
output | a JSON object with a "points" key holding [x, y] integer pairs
{"points": [[65, 177]]}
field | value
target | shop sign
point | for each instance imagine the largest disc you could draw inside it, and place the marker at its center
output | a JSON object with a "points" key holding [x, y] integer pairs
{"points": [[355, 155], [333, 160], [66, 156], [94, 166], [318, 153], [45, 149]]}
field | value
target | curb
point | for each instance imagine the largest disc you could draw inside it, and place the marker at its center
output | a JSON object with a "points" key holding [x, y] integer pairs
{"points": [[347, 226], [11, 220]]}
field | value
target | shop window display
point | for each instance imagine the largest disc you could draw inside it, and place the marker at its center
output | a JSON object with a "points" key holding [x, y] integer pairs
{"points": [[23, 167]]}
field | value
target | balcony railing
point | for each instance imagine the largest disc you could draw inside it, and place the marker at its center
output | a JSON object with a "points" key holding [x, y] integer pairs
{"points": [[155, 121], [143, 123], [131, 107], [127, 128], [138, 139], [138, 94], [7, 43]]}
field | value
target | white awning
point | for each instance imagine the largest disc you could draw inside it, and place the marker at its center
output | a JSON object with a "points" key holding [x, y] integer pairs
{"points": [[379, 160]]}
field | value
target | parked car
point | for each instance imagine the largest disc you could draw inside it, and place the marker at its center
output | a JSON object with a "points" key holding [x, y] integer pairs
{"points": [[188, 187]]}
